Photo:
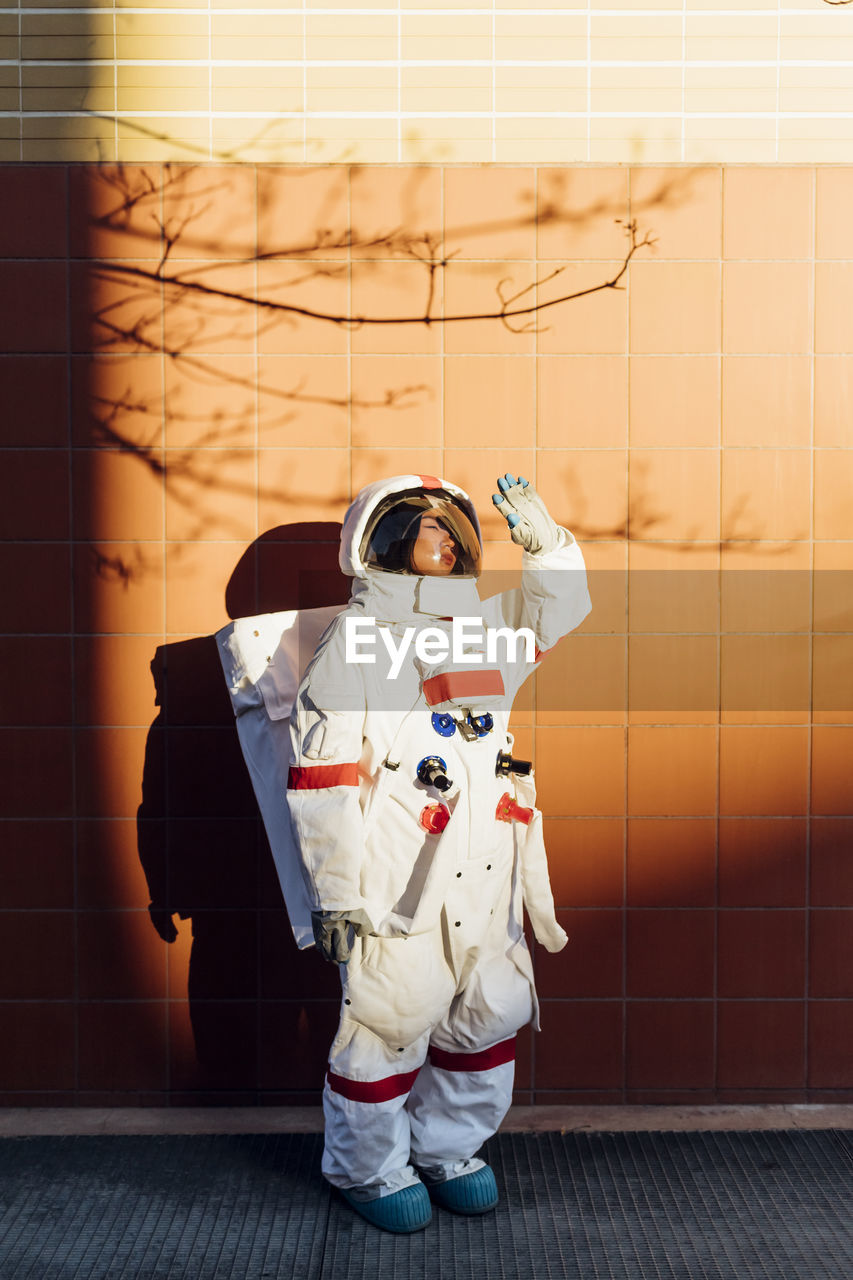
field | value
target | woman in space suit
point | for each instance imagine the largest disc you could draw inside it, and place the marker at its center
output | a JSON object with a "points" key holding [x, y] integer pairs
{"points": [[419, 839]]}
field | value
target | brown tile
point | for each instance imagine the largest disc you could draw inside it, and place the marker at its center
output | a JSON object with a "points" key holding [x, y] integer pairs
{"points": [[395, 210], [585, 859], [476, 471], [39, 866], [496, 295], [591, 963], [767, 212], [34, 393], [117, 495], [671, 862], [581, 213], [394, 399], [595, 761], [213, 865], [122, 1045], [581, 1045], [586, 490], [367, 465], [833, 326], [829, 1044], [763, 770], [675, 401], [672, 771], [582, 402], [831, 953], [38, 1046], [303, 484], [40, 598], [197, 574], [524, 1058], [37, 768], [670, 1045], [606, 567], [34, 310], [118, 586], [301, 307], [287, 973], [758, 390], [113, 683], [109, 771], [109, 870], [34, 212], [115, 311], [833, 679], [670, 953], [37, 952], [832, 781], [206, 776], [765, 679], [766, 307], [831, 864], [680, 208], [766, 587], [209, 211], [766, 494], [672, 679], [294, 1043], [223, 962], [582, 681], [117, 400], [833, 482], [292, 575], [675, 307], [302, 211], [30, 698], [580, 313], [490, 213], [115, 211], [673, 589], [674, 494], [833, 192], [211, 308], [833, 586], [490, 402], [120, 956], [218, 1049], [761, 953], [389, 303], [762, 862], [833, 402], [211, 494], [760, 1045], [211, 402]]}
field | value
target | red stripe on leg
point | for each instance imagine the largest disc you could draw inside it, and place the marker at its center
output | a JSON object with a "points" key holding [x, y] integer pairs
{"points": [[314, 777], [372, 1090], [485, 1060]]}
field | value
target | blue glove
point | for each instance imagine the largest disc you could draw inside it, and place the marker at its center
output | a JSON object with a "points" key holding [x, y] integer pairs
{"points": [[527, 517]]}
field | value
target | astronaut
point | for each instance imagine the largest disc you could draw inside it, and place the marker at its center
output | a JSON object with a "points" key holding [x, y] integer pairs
{"points": [[419, 840]]}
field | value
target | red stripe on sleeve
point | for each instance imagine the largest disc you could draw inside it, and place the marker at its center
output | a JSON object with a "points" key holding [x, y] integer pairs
{"points": [[313, 777], [372, 1090], [483, 1061], [462, 684]]}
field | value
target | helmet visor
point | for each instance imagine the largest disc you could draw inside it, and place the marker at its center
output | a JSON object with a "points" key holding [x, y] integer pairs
{"points": [[421, 533]]}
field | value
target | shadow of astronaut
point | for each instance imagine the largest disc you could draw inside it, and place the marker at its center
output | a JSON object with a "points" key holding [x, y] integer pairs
{"points": [[204, 851]]}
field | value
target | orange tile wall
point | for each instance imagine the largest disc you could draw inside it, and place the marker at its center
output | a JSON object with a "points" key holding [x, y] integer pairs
{"points": [[194, 384]]}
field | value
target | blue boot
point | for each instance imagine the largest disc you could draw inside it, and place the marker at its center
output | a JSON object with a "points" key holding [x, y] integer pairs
{"points": [[405, 1210], [475, 1192]]}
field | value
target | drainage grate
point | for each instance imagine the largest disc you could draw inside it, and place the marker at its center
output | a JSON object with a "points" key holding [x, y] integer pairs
{"points": [[620, 1206]]}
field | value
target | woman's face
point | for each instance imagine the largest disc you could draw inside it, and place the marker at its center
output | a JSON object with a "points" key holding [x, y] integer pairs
{"points": [[434, 551]]}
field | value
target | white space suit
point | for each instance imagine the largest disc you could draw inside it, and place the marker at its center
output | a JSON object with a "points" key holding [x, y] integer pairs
{"points": [[439, 983]]}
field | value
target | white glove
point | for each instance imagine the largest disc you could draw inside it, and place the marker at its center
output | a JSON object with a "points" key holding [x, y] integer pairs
{"points": [[529, 523], [335, 932]]}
